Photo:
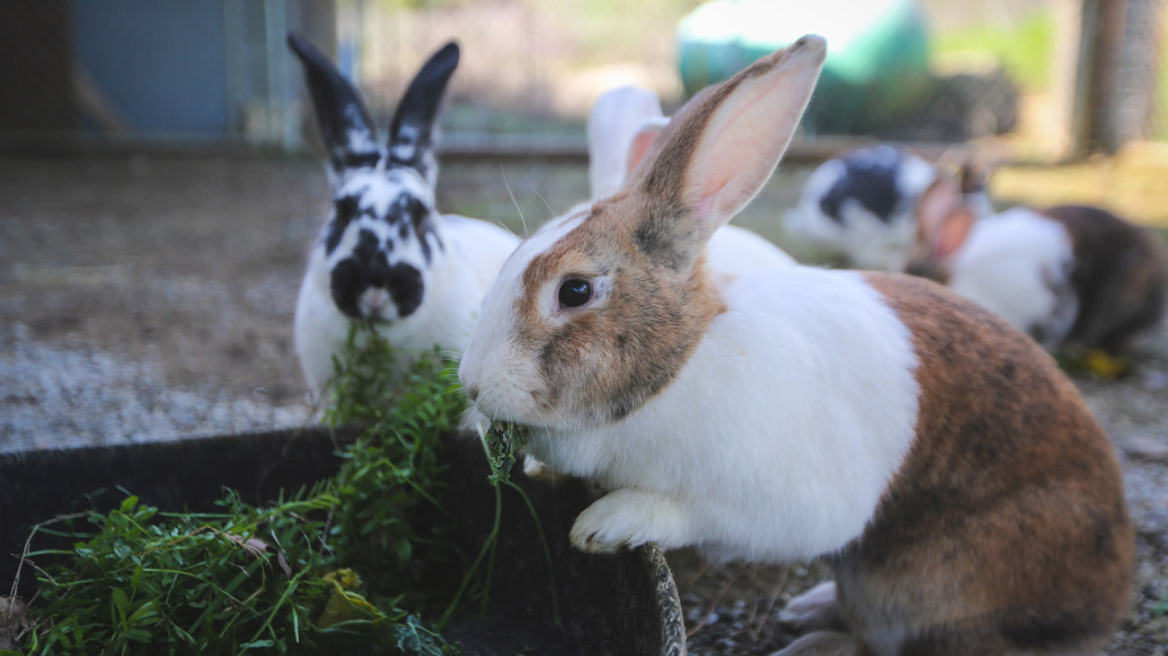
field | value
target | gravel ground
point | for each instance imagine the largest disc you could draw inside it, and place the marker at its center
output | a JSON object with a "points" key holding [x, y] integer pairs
{"points": [[147, 297]]}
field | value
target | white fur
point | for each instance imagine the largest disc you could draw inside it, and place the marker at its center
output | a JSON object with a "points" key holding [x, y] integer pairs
{"points": [[1017, 264], [867, 241], [615, 118], [733, 249], [774, 442]]}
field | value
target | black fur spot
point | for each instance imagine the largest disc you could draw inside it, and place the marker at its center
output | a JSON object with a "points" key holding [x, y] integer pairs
{"points": [[345, 209], [355, 160], [346, 284], [411, 211], [367, 245], [870, 183], [406, 287]]}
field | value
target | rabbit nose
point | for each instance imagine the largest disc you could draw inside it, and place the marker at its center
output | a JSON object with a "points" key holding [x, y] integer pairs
{"points": [[472, 392], [375, 298]]}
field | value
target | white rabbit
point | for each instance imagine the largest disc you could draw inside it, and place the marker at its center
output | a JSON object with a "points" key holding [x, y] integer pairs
{"points": [[623, 126], [940, 462], [386, 255], [1066, 275], [863, 204]]}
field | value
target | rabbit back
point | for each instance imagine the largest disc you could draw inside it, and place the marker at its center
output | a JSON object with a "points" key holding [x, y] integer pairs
{"points": [[1018, 264], [1008, 511], [1120, 276]]}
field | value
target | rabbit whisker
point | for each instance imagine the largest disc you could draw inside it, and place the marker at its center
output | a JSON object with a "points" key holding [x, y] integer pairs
{"points": [[526, 231], [551, 212]]}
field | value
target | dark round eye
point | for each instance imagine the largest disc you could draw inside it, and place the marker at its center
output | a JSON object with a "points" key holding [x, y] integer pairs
{"points": [[575, 292]]}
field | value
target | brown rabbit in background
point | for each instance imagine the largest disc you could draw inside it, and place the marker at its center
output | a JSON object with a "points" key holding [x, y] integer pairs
{"points": [[966, 499], [1070, 275]]}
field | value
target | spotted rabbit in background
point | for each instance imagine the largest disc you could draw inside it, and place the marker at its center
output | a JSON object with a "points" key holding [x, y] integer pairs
{"points": [[863, 205], [386, 255], [935, 457]]}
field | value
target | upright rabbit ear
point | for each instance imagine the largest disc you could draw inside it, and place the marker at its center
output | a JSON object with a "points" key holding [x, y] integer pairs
{"points": [[724, 144], [643, 140], [943, 218], [613, 122], [412, 127], [344, 122]]}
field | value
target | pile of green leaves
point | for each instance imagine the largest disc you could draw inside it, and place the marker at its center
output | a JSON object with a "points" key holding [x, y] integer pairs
{"points": [[332, 569]]}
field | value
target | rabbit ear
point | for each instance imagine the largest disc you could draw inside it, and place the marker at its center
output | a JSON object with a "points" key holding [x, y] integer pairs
{"points": [[344, 122], [724, 144], [413, 123], [944, 220], [643, 140]]}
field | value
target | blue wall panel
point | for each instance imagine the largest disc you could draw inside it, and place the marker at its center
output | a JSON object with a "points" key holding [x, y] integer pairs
{"points": [[161, 63]]}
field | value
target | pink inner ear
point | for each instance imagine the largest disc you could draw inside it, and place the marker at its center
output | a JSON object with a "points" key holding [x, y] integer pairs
{"points": [[642, 142], [952, 233]]}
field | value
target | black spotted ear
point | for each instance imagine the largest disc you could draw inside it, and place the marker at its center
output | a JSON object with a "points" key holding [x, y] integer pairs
{"points": [[412, 128], [345, 125]]}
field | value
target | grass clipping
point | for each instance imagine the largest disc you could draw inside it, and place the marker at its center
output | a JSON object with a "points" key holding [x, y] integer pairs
{"points": [[331, 569]]}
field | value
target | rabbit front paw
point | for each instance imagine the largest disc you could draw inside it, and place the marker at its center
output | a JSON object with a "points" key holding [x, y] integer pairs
{"points": [[626, 519]]}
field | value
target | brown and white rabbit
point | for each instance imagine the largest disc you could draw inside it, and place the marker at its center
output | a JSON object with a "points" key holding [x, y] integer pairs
{"points": [[1070, 274], [386, 255], [966, 498]]}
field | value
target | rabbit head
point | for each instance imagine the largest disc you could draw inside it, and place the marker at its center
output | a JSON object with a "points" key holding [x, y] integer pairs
{"points": [[377, 249], [595, 313]]}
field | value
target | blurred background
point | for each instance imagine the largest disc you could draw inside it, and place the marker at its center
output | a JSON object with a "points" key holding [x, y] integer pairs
{"points": [[161, 179]]}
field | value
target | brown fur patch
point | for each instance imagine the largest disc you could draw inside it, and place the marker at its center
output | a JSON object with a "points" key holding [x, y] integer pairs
{"points": [[1120, 276], [607, 360], [1006, 528]]}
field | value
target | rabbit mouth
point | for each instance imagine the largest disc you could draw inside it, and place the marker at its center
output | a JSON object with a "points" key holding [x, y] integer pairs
{"points": [[375, 305]]}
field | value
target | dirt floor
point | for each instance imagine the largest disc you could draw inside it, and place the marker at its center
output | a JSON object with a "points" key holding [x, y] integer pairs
{"points": [[148, 297]]}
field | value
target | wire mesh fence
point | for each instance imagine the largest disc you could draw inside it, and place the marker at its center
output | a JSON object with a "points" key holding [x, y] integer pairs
{"points": [[1093, 73]]}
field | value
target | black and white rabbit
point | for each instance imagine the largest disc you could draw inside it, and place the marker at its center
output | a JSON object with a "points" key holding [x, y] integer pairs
{"points": [[386, 255], [863, 205], [952, 476], [1067, 275]]}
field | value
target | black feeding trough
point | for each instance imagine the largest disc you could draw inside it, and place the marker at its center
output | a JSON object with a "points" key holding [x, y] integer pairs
{"points": [[623, 604]]}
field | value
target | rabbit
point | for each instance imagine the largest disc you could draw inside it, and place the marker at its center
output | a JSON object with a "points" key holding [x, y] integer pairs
{"points": [[386, 255], [622, 126], [1070, 276], [965, 497], [862, 204]]}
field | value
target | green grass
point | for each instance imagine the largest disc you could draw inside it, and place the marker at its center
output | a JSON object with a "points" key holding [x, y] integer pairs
{"points": [[331, 569], [1025, 48]]}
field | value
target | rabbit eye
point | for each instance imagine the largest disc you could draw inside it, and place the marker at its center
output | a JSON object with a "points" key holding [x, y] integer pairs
{"points": [[575, 292]]}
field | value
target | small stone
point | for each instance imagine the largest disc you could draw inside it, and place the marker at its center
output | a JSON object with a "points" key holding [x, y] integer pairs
{"points": [[1148, 449]]}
